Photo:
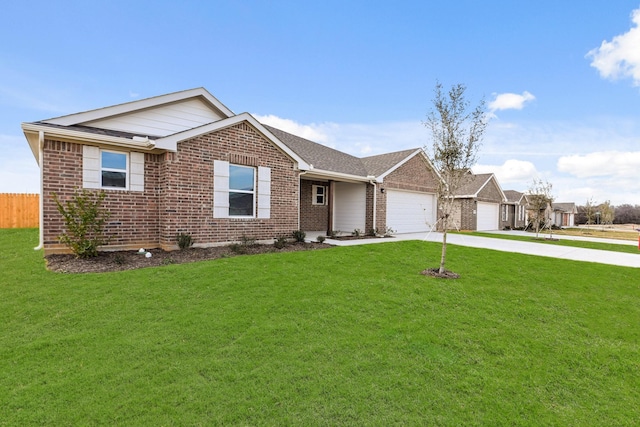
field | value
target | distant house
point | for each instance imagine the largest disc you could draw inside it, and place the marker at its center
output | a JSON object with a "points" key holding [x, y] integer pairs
{"points": [[185, 163], [564, 214], [513, 212], [477, 204]]}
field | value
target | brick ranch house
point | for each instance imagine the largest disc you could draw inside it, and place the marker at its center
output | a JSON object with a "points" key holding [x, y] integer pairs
{"points": [[477, 203], [185, 163]]}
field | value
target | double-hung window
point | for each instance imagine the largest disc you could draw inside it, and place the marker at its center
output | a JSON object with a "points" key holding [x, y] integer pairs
{"points": [[242, 189], [113, 168], [319, 195]]}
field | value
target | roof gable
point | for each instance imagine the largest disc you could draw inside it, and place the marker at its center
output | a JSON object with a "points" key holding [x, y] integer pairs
{"points": [[513, 196], [171, 142], [158, 116], [476, 184]]}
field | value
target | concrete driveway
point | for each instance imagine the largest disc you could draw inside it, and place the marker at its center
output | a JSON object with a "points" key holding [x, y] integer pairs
{"points": [[528, 248]]}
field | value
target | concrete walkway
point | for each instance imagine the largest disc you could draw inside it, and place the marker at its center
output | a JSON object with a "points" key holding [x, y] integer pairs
{"points": [[528, 248]]}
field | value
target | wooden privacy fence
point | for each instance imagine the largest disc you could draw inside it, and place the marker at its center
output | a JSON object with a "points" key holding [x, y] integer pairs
{"points": [[19, 210]]}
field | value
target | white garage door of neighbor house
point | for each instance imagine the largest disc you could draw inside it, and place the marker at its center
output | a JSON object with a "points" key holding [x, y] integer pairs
{"points": [[409, 212], [488, 215]]}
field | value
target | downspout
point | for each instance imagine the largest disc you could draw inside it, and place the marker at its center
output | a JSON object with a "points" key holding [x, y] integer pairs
{"points": [[41, 201], [375, 202]]}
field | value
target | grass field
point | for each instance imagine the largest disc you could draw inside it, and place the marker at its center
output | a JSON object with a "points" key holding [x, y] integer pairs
{"points": [[345, 336]]}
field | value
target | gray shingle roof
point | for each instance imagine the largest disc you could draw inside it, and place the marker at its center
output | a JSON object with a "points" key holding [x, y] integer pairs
{"points": [[513, 196], [321, 156], [473, 186], [377, 165], [564, 207], [97, 131]]}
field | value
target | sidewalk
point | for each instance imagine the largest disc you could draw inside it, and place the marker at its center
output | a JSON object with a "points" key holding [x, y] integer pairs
{"points": [[528, 248]]}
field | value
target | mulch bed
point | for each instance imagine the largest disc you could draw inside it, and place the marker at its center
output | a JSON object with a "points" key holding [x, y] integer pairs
{"points": [[435, 272], [130, 260]]}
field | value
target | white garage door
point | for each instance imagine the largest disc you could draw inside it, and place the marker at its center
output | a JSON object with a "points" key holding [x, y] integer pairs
{"points": [[488, 215], [409, 212]]}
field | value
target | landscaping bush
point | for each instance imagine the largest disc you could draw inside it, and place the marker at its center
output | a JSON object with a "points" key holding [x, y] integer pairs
{"points": [[85, 222]]}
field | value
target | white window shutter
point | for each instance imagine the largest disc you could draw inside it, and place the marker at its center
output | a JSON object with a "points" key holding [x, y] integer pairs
{"points": [[91, 175], [220, 189], [136, 172], [264, 192]]}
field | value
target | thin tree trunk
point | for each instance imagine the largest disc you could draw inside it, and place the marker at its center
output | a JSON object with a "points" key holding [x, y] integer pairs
{"points": [[444, 245]]}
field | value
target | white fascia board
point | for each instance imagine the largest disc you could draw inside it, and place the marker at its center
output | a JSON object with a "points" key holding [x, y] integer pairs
{"points": [[115, 110], [171, 142], [83, 137]]}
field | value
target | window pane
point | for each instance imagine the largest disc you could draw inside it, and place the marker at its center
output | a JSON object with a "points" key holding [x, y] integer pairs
{"points": [[114, 179], [240, 204], [114, 160], [241, 178]]}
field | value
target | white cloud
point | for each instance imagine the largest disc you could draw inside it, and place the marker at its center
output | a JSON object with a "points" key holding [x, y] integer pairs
{"points": [[510, 101], [620, 58], [510, 171], [601, 164], [353, 138], [310, 132]]}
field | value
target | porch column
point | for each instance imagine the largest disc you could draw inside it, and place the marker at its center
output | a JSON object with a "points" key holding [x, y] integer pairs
{"points": [[330, 190]]}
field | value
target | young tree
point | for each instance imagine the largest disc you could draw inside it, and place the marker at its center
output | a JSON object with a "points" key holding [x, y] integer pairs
{"points": [[540, 200], [607, 213], [456, 134], [590, 212]]}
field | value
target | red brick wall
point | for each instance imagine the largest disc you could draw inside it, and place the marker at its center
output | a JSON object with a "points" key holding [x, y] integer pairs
{"points": [[414, 175], [490, 193], [134, 215], [312, 217], [178, 196], [186, 182]]}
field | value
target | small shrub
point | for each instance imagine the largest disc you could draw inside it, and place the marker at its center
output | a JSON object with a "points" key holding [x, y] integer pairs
{"points": [[357, 232], [184, 240], [388, 232], [85, 221], [320, 239], [372, 232], [118, 259], [238, 248], [247, 241], [243, 247], [280, 242], [299, 235], [333, 233]]}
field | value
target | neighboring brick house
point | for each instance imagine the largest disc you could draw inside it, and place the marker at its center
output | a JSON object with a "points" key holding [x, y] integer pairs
{"points": [[477, 204], [185, 163], [564, 214], [513, 212]]}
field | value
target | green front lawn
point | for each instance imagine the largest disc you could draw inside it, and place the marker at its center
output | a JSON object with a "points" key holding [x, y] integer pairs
{"points": [[345, 336]]}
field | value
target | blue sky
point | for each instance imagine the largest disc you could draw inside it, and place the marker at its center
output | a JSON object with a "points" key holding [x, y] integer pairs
{"points": [[561, 78]]}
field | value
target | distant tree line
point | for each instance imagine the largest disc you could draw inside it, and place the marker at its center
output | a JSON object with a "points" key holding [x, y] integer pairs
{"points": [[604, 213]]}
